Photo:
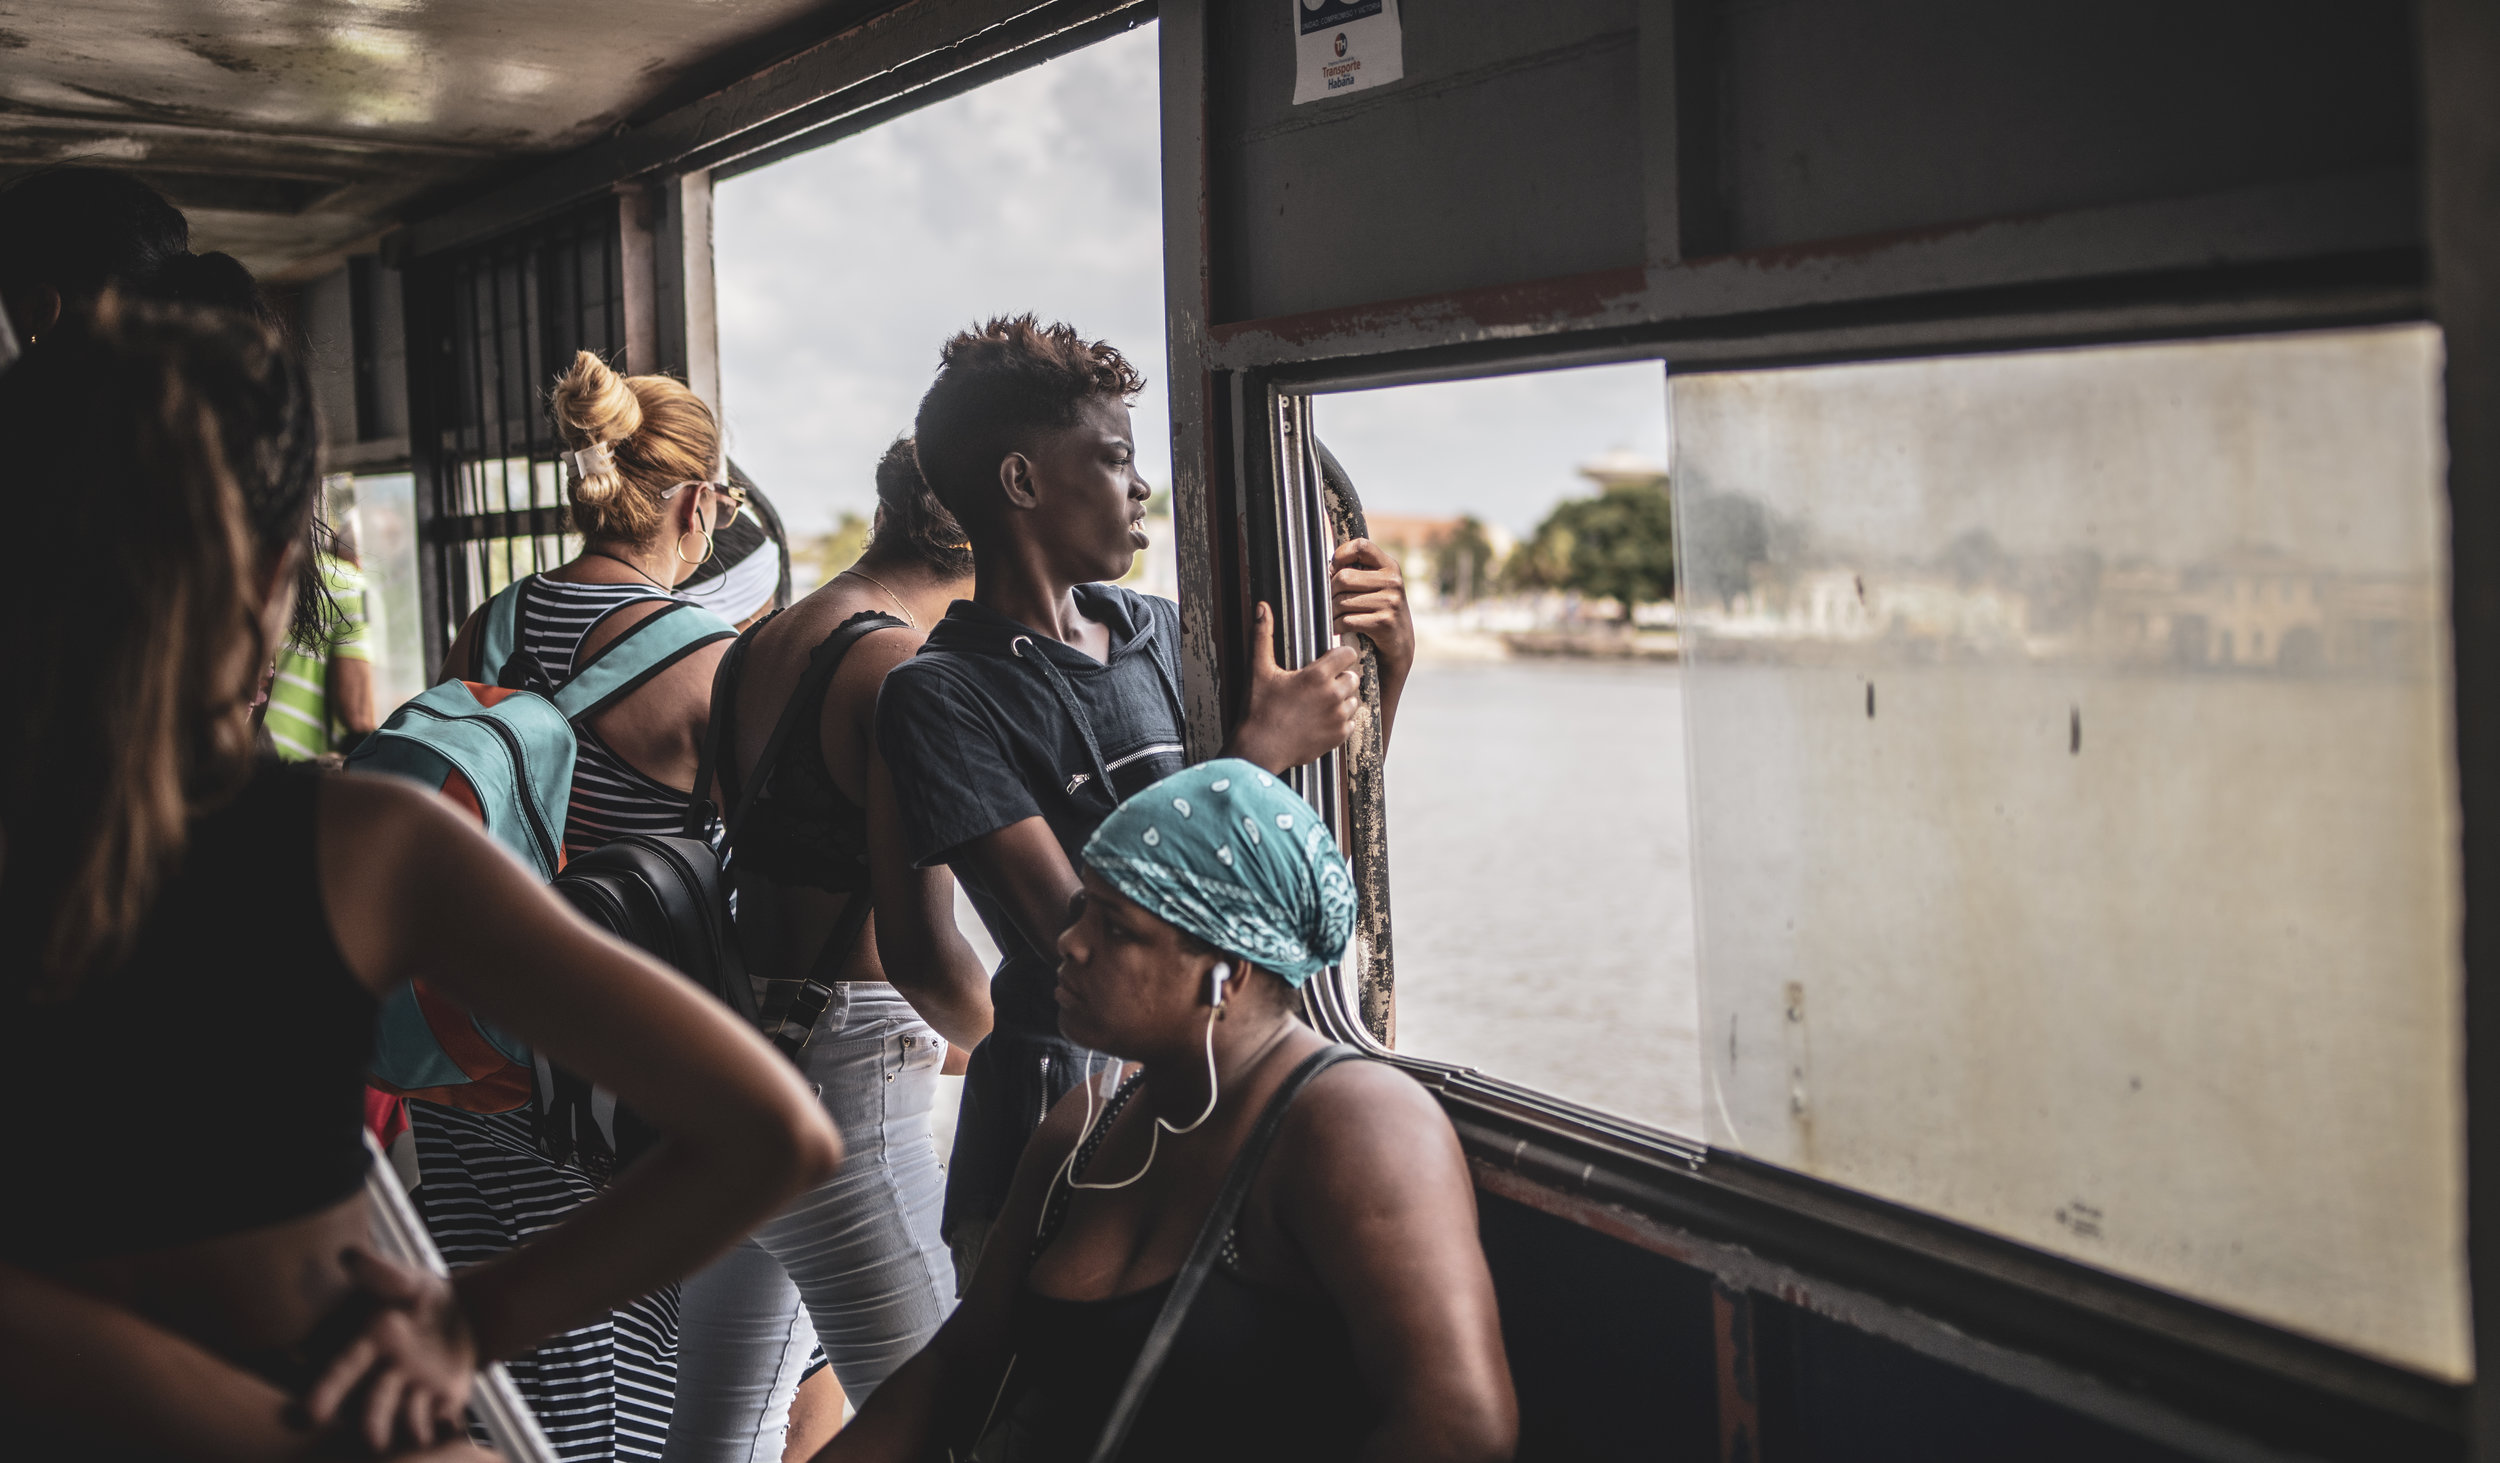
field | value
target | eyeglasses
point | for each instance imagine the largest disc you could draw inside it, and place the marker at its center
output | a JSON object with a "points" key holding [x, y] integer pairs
{"points": [[734, 495]]}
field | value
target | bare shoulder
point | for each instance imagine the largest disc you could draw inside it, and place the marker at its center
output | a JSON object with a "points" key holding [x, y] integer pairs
{"points": [[1369, 1096], [383, 840], [1367, 1123], [374, 822], [371, 807], [616, 622], [460, 659], [884, 648]]}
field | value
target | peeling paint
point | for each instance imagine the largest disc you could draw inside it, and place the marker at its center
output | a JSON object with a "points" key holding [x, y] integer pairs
{"points": [[1578, 298], [302, 91]]}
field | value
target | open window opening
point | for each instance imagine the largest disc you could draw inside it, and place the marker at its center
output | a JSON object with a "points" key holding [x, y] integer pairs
{"points": [[840, 272], [1538, 838]]}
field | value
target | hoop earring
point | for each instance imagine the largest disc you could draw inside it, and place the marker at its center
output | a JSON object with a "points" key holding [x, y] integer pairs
{"points": [[707, 545]]}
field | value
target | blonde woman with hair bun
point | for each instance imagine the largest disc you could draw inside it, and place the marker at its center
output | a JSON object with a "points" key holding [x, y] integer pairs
{"points": [[643, 468]]}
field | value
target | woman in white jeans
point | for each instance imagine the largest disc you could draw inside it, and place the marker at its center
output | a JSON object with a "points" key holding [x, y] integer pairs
{"points": [[856, 1266]]}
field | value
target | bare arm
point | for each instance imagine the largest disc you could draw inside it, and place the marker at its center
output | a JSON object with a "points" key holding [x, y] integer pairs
{"points": [[924, 954], [1024, 868], [351, 693], [460, 661], [1375, 1194], [91, 1369], [414, 891]]}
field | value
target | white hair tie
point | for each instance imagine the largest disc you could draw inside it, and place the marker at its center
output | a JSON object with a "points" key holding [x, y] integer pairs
{"points": [[592, 461]]}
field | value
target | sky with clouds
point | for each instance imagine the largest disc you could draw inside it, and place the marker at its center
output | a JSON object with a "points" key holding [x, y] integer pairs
{"points": [[841, 270]]}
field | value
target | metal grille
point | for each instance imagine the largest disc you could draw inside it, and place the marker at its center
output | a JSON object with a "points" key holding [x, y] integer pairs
{"points": [[492, 327]]}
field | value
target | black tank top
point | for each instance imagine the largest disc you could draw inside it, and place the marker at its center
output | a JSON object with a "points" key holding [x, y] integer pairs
{"points": [[214, 1083], [1257, 1373], [804, 829]]}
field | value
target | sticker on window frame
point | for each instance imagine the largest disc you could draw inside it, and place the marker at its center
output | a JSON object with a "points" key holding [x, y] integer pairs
{"points": [[1343, 46]]}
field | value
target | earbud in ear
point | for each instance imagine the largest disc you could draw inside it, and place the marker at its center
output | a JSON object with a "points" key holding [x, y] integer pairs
{"points": [[1217, 974]]}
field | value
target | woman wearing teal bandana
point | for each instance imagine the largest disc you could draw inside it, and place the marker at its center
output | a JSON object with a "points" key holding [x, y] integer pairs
{"points": [[1349, 1312]]}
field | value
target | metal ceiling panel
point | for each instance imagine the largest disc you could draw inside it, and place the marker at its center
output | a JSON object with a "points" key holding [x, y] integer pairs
{"points": [[292, 129]]}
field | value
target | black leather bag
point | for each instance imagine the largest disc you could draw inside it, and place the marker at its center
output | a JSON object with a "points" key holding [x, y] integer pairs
{"points": [[662, 893]]}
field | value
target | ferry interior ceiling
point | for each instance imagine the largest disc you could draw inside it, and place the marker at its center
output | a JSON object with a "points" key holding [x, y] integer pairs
{"points": [[2015, 643]]}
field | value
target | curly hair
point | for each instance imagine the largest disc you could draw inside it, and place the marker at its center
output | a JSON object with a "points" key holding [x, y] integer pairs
{"points": [[911, 522], [997, 384]]}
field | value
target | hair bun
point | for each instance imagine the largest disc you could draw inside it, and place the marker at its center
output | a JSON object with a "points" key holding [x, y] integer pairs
{"points": [[593, 405]]}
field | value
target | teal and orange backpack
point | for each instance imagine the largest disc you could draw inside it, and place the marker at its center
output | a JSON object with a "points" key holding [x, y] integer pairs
{"points": [[505, 750]]}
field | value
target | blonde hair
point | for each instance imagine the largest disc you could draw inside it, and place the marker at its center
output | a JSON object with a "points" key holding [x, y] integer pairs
{"points": [[658, 432]]}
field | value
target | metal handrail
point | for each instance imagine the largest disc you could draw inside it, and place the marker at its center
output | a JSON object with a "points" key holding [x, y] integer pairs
{"points": [[400, 1235]]}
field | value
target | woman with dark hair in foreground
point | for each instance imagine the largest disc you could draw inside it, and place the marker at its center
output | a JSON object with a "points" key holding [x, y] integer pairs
{"points": [[1349, 1313], [169, 909]]}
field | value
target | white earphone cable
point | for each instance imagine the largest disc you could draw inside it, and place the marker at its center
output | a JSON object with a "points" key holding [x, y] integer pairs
{"points": [[1154, 1135]]}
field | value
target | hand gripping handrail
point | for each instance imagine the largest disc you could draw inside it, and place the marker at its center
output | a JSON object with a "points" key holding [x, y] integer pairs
{"points": [[400, 1235]]}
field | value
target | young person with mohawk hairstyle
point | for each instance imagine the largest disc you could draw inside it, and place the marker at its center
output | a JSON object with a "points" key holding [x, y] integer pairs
{"points": [[1051, 694]]}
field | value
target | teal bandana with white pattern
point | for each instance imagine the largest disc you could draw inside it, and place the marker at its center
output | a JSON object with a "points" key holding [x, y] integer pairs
{"points": [[1225, 851]]}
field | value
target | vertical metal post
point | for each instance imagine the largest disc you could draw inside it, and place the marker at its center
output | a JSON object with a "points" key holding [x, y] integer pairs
{"points": [[1208, 424], [683, 291], [425, 305], [1740, 1403], [1363, 785], [2460, 50], [1307, 531], [664, 268]]}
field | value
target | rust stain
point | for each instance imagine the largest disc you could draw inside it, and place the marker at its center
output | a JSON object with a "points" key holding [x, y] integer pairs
{"points": [[1529, 302], [1740, 1408], [1605, 1219]]}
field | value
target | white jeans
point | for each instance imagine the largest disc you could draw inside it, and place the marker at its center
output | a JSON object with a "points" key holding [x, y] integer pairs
{"points": [[854, 1266]]}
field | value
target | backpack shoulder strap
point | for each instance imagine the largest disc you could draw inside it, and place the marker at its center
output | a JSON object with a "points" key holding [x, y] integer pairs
{"points": [[720, 730], [1210, 1242], [648, 647], [499, 632]]}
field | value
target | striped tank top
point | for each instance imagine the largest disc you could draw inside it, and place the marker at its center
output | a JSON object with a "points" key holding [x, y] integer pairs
{"points": [[610, 798]]}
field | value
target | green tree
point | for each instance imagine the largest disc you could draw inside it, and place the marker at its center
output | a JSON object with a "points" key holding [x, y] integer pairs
{"points": [[1619, 545], [829, 554], [1463, 566]]}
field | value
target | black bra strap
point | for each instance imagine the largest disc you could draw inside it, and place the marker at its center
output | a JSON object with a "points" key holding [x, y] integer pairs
{"points": [[719, 731], [805, 698], [1203, 1253], [806, 703]]}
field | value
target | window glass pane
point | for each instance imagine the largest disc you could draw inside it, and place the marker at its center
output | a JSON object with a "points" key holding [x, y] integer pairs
{"points": [[1540, 891], [383, 512], [2076, 837]]}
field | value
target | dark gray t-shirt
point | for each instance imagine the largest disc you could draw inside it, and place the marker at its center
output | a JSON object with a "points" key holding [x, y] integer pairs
{"points": [[978, 737]]}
